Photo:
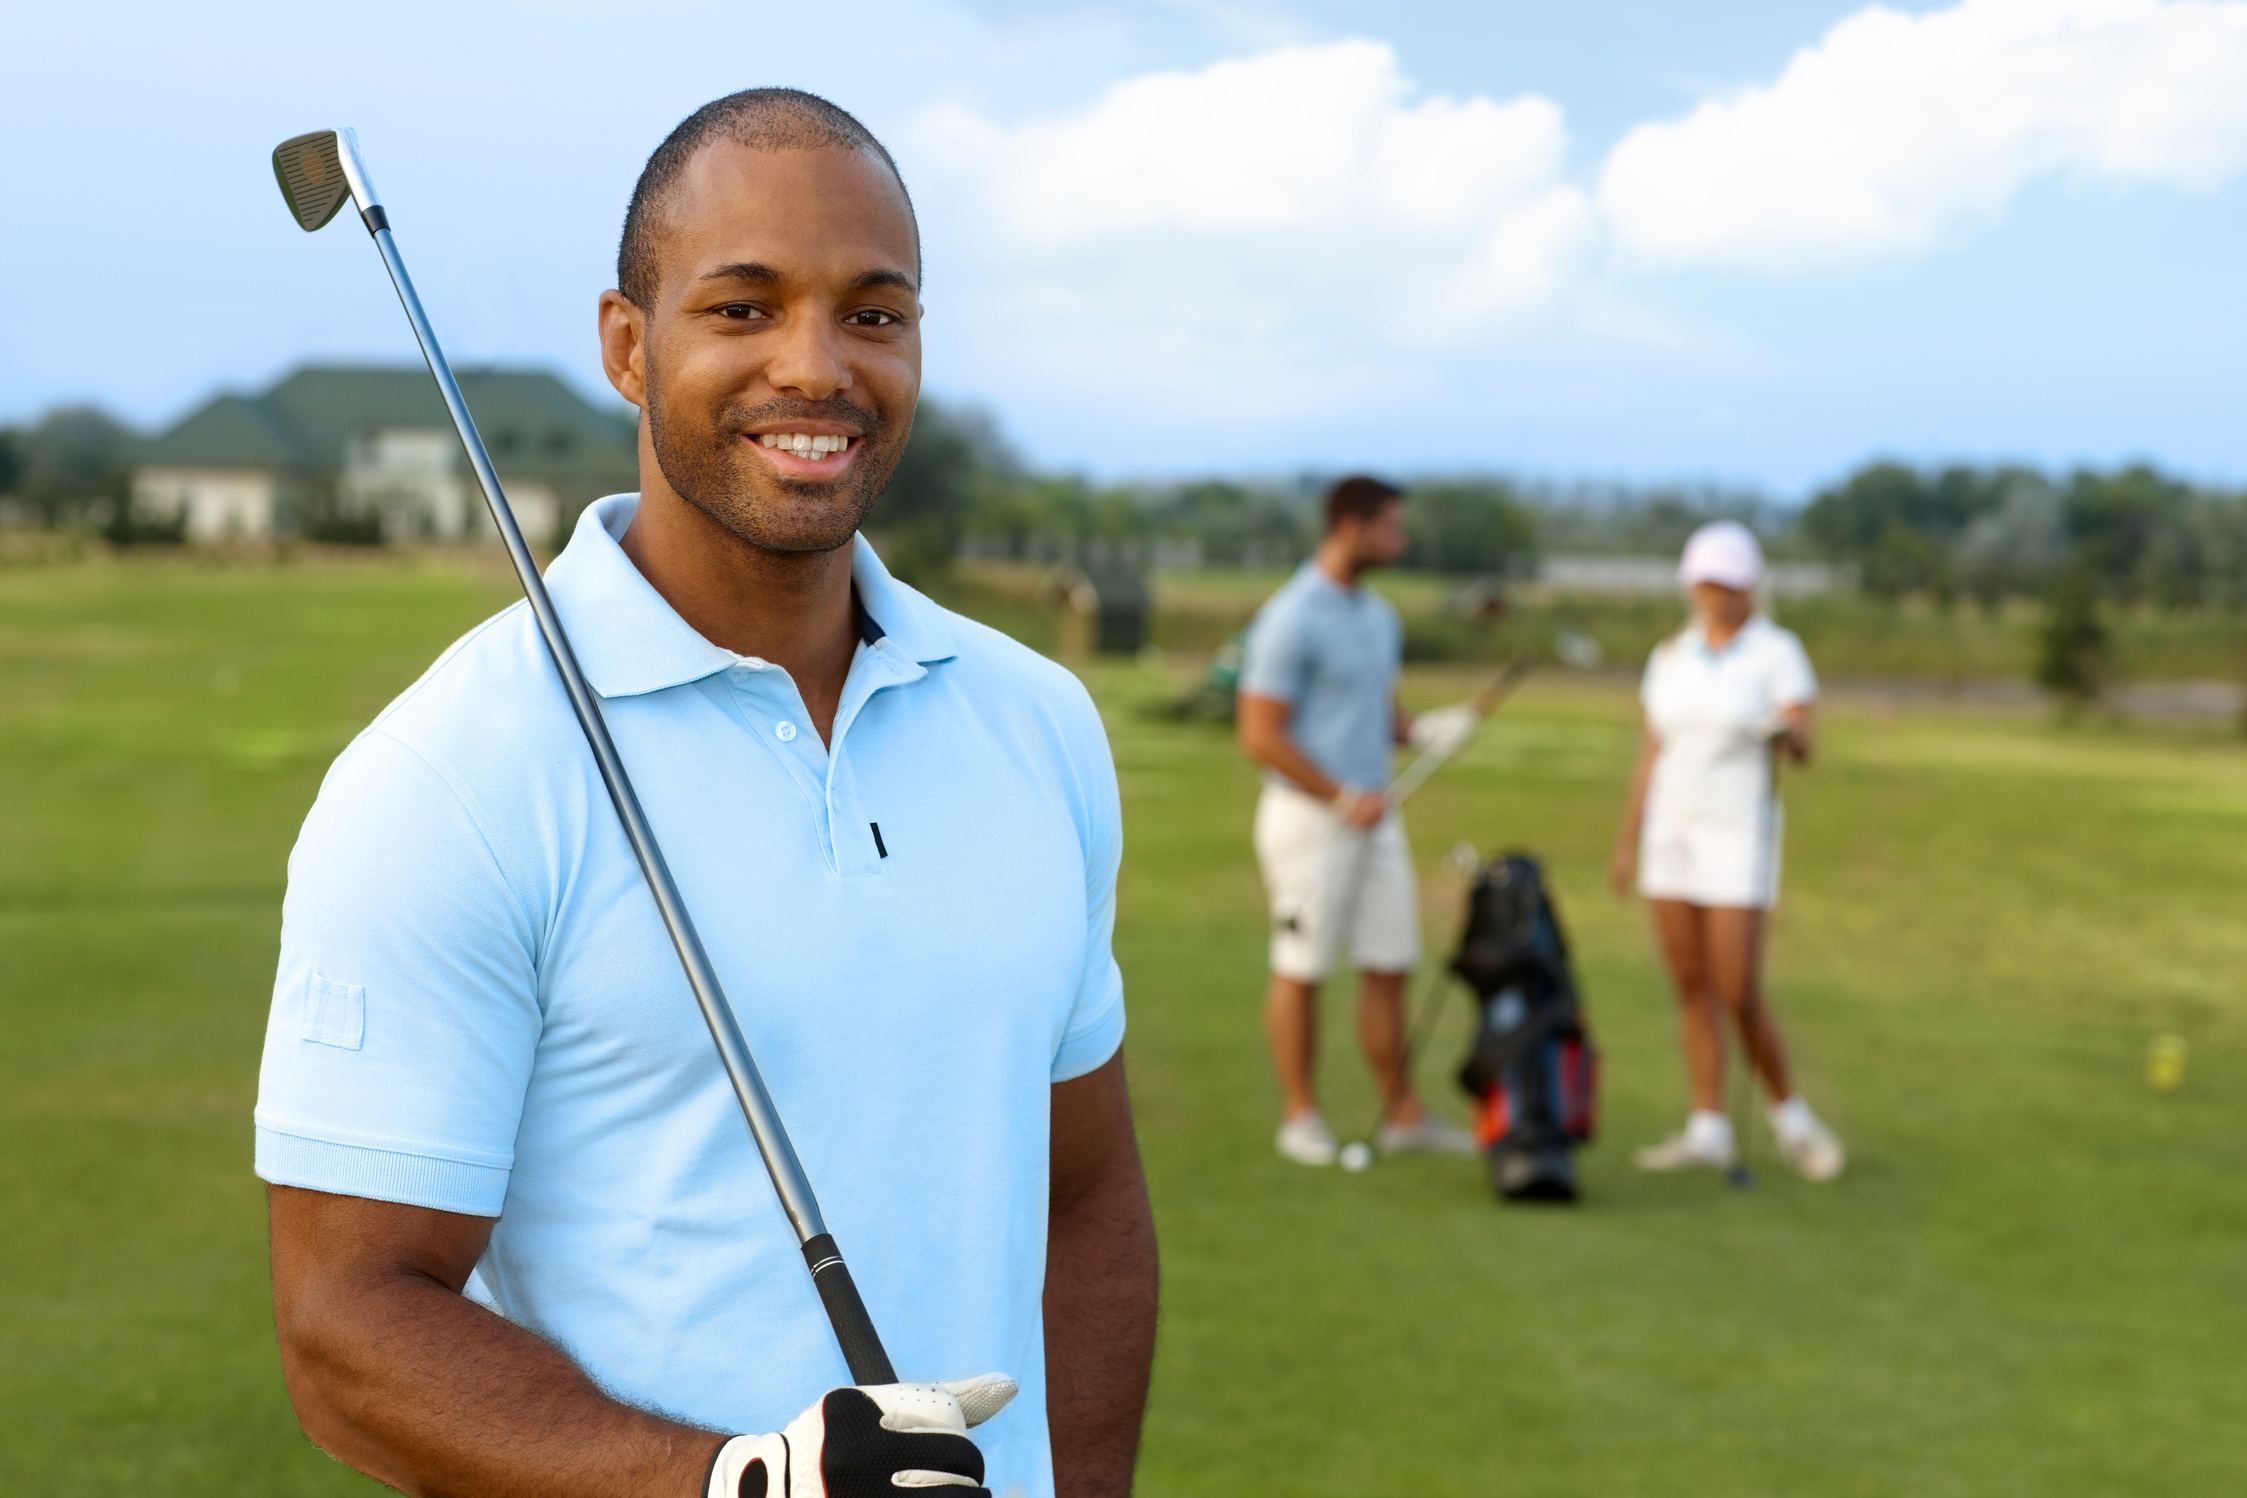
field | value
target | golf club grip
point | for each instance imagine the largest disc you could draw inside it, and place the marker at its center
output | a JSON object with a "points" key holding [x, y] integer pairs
{"points": [[854, 1329]]}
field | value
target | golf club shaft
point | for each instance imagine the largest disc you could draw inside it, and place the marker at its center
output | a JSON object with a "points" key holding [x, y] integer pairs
{"points": [[854, 1329], [1415, 1034], [1484, 704], [1356, 843]]}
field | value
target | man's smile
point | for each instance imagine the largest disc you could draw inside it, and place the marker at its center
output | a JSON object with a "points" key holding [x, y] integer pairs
{"points": [[801, 453]]}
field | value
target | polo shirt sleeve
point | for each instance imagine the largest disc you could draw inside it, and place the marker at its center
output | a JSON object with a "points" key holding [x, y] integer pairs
{"points": [[1095, 1026], [1792, 681], [405, 1014], [1276, 657]]}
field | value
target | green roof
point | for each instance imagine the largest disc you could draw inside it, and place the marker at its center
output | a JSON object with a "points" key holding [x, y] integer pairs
{"points": [[230, 432], [534, 425]]}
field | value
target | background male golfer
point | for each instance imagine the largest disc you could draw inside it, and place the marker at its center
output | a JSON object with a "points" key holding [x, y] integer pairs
{"points": [[521, 1242], [1318, 711]]}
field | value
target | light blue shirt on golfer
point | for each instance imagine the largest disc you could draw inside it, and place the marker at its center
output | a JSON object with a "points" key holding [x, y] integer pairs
{"points": [[478, 1010], [1332, 653]]}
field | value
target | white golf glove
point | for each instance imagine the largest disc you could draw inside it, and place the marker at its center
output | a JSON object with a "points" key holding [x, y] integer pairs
{"points": [[1444, 729], [884, 1441]]}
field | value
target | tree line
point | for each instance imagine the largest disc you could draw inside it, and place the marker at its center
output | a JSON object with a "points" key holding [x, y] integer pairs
{"points": [[2132, 536], [71, 469]]}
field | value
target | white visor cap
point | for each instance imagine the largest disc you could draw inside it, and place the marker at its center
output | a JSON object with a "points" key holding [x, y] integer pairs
{"points": [[1722, 552]]}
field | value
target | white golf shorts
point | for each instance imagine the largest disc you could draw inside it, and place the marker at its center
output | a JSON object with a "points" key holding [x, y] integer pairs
{"points": [[1331, 886], [1713, 863]]}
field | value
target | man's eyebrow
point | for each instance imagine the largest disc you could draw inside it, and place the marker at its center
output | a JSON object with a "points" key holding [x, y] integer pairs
{"points": [[758, 271], [869, 279], [743, 270]]}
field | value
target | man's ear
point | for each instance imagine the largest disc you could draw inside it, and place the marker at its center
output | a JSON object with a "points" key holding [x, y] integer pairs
{"points": [[624, 346]]}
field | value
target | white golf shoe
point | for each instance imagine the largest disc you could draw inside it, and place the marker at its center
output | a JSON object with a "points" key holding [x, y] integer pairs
{"points": [[1306, 1140], [1682, 1151], [1813, 1150], [1430, 1136]]}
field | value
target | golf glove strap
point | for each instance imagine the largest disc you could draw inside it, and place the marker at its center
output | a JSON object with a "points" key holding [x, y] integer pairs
{"points": [[1444, 729], [884, 1441]]}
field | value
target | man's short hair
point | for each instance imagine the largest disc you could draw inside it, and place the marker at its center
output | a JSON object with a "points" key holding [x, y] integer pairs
{"points": [[759, 119], [1358, 498]]}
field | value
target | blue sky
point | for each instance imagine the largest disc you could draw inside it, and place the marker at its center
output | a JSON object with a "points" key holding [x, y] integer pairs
{"points": [[1751, 242]]}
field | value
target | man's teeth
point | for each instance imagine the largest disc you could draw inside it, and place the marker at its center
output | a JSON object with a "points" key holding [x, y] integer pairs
{"points": [[803, 446]]}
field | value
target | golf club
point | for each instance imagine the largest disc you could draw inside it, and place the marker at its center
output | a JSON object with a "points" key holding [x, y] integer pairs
{"points": [[317, 172], [1484, 704], [1741, 1094], [1740, 1175], [1358, 1154], [1574, 648]]}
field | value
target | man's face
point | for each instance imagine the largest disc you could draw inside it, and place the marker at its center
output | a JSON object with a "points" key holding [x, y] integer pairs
{"points": [[1380, 539], [779, 366]]}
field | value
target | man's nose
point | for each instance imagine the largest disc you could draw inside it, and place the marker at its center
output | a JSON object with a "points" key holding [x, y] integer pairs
{"points": [[809, 361]]}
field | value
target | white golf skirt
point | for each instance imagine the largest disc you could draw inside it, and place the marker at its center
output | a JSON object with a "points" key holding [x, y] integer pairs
{"points": [[1332, 887], [1713, 863]]}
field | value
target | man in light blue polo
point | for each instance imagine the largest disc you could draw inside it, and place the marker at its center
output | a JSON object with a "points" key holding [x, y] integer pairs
{"points": [[1318, 711], [521, 1241]]}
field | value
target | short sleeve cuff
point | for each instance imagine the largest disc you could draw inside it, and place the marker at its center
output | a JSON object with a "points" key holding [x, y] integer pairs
{"points": [[383, 1175], [1088, 1045]]}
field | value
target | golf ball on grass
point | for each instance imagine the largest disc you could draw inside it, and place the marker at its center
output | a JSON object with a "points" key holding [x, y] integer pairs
{"points": [[1355, 1156]]}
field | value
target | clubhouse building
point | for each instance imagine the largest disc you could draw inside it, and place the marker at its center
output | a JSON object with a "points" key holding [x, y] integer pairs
{"points": [[368, 453]]}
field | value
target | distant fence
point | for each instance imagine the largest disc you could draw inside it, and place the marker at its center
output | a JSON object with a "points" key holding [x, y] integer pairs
{"points": [[1658, 575]]}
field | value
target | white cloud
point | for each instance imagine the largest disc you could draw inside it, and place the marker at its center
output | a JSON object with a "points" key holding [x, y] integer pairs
{"points": [[1895, 129], [1274, 210]]}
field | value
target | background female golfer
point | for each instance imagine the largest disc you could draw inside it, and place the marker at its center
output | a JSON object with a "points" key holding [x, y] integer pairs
{"points": [[1725, 698]]}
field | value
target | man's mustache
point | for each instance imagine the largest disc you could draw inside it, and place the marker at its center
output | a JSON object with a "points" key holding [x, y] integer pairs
{"points": [[735, 420]]}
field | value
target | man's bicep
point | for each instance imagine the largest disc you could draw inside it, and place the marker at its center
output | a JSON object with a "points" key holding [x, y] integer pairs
{"points": [[321, 1238], [1261, 720], [1091, 1130]]}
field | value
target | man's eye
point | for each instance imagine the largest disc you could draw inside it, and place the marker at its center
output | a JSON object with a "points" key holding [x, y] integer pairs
{"points": [[871, 317], [742, 311]]}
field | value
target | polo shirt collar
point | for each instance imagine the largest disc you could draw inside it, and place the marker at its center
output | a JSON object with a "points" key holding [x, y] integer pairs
{"points": [[629, 641], [1323, 581], [1740, 636]]}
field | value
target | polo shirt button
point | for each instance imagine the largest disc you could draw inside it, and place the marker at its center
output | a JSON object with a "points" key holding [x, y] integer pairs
{"points": [[786, 732]]}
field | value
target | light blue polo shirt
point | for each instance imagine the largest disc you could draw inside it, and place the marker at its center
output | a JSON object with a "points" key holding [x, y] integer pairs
{"points": [[478, 1010], [1332, 653]]}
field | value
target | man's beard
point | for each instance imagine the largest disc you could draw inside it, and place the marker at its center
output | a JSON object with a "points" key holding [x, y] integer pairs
{"points": [[715, 472]]}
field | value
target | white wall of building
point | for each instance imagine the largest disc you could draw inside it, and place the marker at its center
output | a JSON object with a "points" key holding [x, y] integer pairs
{"points": [[220, 504], [411, 477]]}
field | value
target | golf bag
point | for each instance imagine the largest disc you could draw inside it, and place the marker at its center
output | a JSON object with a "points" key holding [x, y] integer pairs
{"points": [[1532, 1069]]}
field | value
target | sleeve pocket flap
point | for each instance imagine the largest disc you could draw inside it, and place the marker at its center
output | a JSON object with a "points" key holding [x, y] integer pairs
{"points": [[334, 1013]]}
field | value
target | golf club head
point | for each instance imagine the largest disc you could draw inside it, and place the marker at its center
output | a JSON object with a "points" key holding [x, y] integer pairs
{"points": [[318, 172]]}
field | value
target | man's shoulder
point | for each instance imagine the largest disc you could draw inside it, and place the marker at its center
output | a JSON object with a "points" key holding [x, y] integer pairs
{"points": [[489, 698], [1290, 609], [1006, 672]]}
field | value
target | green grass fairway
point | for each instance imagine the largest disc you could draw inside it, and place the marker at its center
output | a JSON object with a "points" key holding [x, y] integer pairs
{"points": [[2029, 1283]]}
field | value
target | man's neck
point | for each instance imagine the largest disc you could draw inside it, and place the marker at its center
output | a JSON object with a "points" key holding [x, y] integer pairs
{"points": [[792, 608], [1338, 563]]}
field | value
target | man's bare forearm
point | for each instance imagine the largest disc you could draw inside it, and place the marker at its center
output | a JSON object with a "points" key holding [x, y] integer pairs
{"points": [[393, 1371], [1263, 735], [1100, 1294]]}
